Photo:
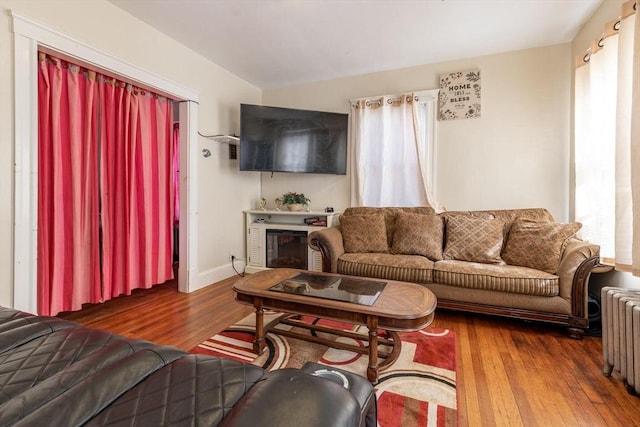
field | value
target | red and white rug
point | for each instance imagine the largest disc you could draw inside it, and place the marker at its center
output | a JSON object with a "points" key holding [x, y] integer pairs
{"points": [[418, 389]]}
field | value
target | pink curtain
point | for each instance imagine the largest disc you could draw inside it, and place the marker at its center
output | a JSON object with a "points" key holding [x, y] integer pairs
{"points": [[68, 239], [105, 187], [136, 187]]}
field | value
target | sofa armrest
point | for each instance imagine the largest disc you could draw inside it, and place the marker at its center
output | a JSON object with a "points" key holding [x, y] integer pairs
{"points": [[292, 398], [578, 260], [329, 242]]}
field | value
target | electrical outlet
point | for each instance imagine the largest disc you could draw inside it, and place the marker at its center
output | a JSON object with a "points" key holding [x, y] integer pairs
{"points": [[232, 256]]}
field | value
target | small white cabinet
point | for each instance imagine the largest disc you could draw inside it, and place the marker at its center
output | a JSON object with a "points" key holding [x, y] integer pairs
{"points": [[263, 226]]}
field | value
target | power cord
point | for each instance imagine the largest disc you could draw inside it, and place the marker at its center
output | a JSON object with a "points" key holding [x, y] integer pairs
{"points": [[233, 258]]}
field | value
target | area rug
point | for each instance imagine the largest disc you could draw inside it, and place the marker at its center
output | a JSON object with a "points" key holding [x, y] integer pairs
{"points": [[418, 389]]}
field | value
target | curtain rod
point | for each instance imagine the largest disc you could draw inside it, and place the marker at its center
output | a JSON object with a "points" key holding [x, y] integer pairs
{"points": [[375, 98]]}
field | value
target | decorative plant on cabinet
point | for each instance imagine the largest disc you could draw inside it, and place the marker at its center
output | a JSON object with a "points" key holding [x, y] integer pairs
{"points": [[294, 201]]}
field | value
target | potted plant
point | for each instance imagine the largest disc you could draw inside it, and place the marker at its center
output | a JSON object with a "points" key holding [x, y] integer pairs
{"points": [[294, 201]]}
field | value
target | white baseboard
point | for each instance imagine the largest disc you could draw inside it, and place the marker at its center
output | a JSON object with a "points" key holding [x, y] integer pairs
{"points": [[214, 275]]}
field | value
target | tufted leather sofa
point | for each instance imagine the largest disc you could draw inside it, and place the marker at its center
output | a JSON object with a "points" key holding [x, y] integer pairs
{"points": [[445, 262], [58, 373]]}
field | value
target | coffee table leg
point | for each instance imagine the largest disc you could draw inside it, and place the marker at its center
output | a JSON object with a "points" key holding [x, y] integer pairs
{"points": [[372, 369], [259, 343]]}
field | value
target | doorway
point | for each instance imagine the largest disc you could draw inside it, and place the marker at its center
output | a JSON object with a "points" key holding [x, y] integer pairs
{"points": [[28, 37]]}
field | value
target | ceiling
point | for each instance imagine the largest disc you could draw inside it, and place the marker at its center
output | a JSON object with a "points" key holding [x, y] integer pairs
{"points": [[273, 43]]}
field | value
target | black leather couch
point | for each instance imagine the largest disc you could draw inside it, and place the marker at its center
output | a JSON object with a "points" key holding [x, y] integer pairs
{"points": [[56, 372]]}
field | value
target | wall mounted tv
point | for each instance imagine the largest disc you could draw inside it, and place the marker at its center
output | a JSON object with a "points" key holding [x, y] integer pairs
{"points": [[274, 139]]}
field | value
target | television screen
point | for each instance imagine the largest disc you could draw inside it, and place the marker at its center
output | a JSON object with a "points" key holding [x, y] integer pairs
{"points": [[274, 139]]}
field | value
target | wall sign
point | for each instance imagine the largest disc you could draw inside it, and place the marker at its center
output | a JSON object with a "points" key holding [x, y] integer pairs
{"points": [[459, 96]]}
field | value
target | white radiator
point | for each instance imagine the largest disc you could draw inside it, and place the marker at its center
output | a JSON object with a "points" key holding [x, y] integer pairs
{"points": [[621, 334]]}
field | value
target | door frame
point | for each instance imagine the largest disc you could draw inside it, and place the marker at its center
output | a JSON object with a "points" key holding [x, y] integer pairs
{"points": [[30, 36]]}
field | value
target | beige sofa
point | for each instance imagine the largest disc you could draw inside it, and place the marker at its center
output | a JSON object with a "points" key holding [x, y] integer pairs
{"points": [[516, 263]]}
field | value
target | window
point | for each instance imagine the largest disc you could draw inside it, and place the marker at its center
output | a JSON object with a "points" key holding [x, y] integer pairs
{"points": [[393, 140], [605, 94]]}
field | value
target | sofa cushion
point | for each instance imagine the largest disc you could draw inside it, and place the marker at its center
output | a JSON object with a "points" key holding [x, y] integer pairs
{"points": [[474, 239], [45, 352], [405, 268], [193, 390], [475, 214], [364, 233], [538, 245], [309, 401], [417, 234], [389, 214], [503, 278], [508, 216], [84, 400], [68, 377]]}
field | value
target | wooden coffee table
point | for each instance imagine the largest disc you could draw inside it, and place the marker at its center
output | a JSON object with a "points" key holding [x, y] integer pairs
{"points": [[400, 307]]}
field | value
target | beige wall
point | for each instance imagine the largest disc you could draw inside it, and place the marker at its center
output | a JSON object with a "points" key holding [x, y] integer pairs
{"points": [[223, 191], [516, 155]]}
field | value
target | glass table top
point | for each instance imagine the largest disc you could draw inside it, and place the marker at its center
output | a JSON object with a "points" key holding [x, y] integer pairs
{"points": [[348, 289]]}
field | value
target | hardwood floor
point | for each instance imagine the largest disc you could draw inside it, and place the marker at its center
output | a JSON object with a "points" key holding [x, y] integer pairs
{"points": [[510, 373]]}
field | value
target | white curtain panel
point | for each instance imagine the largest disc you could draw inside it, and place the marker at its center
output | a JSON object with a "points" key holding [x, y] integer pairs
{"points": [[635, 148], [392, 151], [624, 205], [607, 157], [595, 150]]}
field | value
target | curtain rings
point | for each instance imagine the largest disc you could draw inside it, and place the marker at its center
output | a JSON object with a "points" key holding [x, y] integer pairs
{"points": [[373, 103], [399, 100], [388, 100]]}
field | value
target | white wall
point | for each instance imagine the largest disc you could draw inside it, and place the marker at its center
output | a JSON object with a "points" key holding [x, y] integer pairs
{"points": [[223, 191], [516, 155]]}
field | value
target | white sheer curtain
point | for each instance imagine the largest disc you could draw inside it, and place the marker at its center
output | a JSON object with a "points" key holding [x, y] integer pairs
{"points": [[635, 147], [607, 96], [393, 141]]}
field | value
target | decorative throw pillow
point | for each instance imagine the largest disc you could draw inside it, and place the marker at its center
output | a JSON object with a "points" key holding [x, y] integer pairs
{"points": [[474, 239], [474, 214], [418, 234], [538, 245], [364, 233]]}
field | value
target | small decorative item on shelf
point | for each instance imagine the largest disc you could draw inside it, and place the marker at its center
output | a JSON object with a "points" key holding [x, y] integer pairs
{"points": [[294, 201], [278, 204], [263, 204]]}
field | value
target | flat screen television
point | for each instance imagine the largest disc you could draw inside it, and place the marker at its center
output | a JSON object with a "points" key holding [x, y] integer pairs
{"points": [[275, 139]]}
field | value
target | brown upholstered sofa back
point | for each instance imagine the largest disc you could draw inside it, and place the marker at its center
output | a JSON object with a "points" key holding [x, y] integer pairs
{"points": [[508, 215]]}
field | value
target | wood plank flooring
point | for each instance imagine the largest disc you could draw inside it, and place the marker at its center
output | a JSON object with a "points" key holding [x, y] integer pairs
{"points": [[510, 373]]}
